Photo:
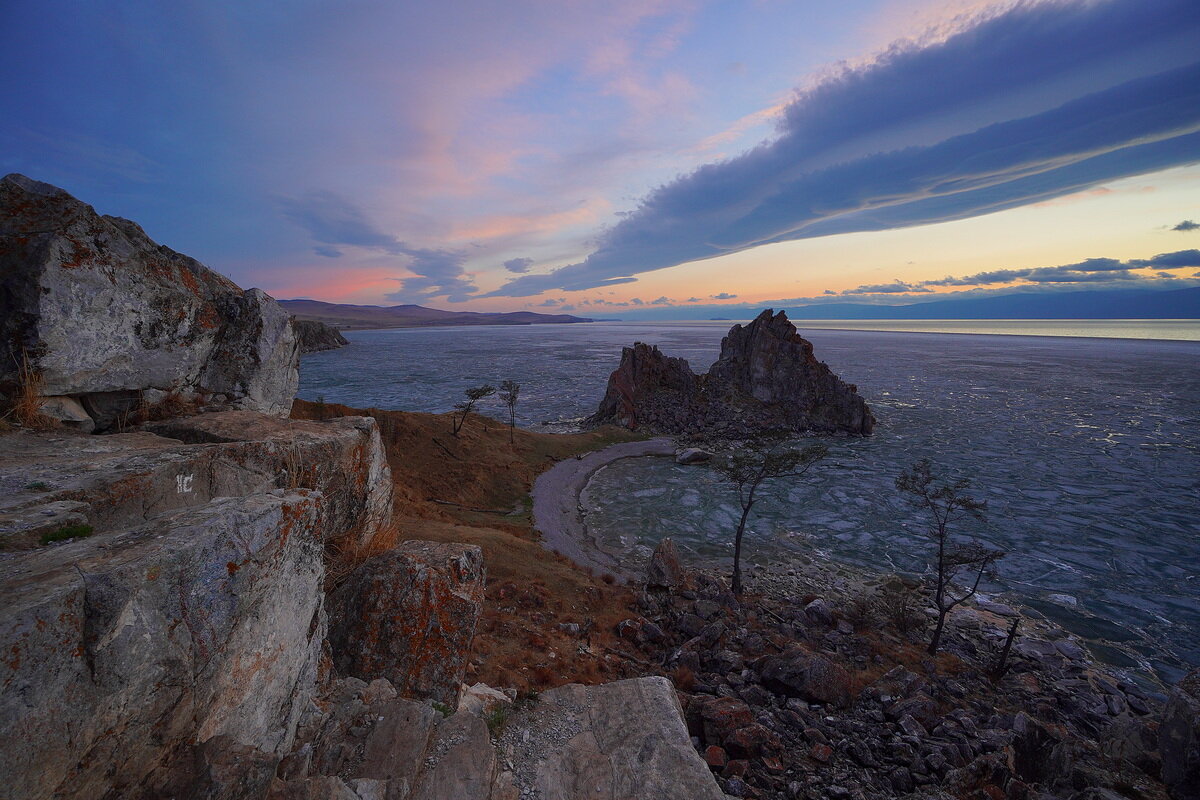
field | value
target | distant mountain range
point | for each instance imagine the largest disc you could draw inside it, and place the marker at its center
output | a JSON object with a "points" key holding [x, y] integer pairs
{"points": [[344, 316], [1096, 304]]}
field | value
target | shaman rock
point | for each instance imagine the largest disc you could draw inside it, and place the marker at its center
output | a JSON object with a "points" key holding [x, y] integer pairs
{"points": [[767, 378]]}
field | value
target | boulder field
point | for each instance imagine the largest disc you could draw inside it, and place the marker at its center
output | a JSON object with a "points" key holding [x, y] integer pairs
{"points": [[766, 379]]}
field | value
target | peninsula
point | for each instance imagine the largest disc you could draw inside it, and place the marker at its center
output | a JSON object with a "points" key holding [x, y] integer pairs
{"points": [[354, 317]]}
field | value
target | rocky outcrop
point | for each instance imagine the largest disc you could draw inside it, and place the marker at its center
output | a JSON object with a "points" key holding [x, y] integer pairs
{"points": [[173, 643], [409, 616], [120, 649], [104, 314], [766, 378], [316, 336], [115, 482]]}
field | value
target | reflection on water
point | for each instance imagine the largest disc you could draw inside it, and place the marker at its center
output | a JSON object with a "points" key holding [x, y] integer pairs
{"points": [[1087, 450]]}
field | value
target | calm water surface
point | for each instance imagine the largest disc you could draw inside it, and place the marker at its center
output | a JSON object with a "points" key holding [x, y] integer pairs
{"points": [[1086, 449]]}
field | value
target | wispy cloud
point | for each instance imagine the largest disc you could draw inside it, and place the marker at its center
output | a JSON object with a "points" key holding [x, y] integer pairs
{"points": [[723, 296], [1186, 225], [335, 222], [1036, 102]]}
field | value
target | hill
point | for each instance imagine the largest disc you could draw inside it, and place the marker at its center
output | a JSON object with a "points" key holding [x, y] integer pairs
{"points": [[344, 316]]}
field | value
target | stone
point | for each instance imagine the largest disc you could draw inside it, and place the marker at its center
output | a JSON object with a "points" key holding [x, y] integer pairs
{"points": [[315, 336], [118, 481], [820, 612], [693, 455], [464, 762], [807, 676], [666, 570], [715, 757], [1179, 738], [104, 313], [480, 699], [766, 378], [68, 412], [609, 742], [409, 615], [122, 647]]}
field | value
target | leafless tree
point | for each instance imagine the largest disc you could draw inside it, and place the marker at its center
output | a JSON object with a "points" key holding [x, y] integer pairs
{"points": [[509, 391], [759, 460], [463, 408], [947, 505]]}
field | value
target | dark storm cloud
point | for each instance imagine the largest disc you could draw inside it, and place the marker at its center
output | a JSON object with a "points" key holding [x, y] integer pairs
{"points": [[1039, 101]]}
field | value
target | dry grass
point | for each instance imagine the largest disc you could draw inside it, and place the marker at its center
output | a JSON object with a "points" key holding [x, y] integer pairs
{"points": [[475, 489], [26, 403], [343, 558]]}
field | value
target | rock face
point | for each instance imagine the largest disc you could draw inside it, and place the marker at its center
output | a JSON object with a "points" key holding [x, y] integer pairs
{"points": [[104, 314], [204, 622], [174, 643], [118, 481], [409, 616], [316, 336], [766, 378]]}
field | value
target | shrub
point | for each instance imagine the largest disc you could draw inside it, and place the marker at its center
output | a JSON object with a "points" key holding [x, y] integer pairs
{"points": [[67, 532]]}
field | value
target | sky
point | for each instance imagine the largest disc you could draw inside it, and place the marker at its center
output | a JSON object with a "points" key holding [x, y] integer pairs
{"points": [[624, 155]]}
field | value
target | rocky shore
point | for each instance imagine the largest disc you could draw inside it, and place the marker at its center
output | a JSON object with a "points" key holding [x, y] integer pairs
{"points": [[315, 336]]}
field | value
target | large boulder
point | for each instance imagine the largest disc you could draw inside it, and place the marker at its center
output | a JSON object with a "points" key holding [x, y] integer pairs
{"points": [[409, 615], [610, 742], [811, 677], [122, 649], [104, 314], [766, 379]]}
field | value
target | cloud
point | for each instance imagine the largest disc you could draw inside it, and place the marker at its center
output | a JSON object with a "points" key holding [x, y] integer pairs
{"points": [[637, 301], [693, 299], [1177, 260], [327, 251], [1186, 225], [723, 296], [1027, 104], [1089, 270], [518, 264], [551, 301], [895, 287], [567, 307], [333, 220], [661, 301]]}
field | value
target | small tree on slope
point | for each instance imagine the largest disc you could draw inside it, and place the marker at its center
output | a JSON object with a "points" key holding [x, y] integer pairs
{"points": [[746, 469], [463, 408], [509, 391], [947, 504]]}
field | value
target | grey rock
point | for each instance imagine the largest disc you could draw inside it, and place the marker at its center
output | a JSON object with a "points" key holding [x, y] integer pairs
{"points": [[68, 412], [693, 455], [666, 570], [807, 676], [119, 648], [105, 313]]}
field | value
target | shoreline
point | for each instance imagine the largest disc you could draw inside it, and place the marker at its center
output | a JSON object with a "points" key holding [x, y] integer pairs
{"points": [[556, 501]]}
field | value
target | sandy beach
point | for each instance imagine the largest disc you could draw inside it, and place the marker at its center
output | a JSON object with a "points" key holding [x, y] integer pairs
{"points": [[556, 511]]}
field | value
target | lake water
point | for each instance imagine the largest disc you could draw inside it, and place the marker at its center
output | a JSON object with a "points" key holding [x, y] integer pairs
{"points": [[1086, 449]]}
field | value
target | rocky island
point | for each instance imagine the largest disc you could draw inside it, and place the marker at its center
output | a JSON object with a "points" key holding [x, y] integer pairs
{"points": [[766, 378], [208, 590]]}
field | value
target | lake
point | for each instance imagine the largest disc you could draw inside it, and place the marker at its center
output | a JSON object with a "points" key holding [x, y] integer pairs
{"points": [[1086, 449]]}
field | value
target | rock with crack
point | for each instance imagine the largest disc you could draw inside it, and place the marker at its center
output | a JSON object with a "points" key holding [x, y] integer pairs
{"points": [[105, 315], [123, 649], [409, 615]]}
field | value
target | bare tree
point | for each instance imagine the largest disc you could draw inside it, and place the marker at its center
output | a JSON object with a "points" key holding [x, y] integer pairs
{"points": [[509, 391], [947, 505], [463, 408], [763, 458]]}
